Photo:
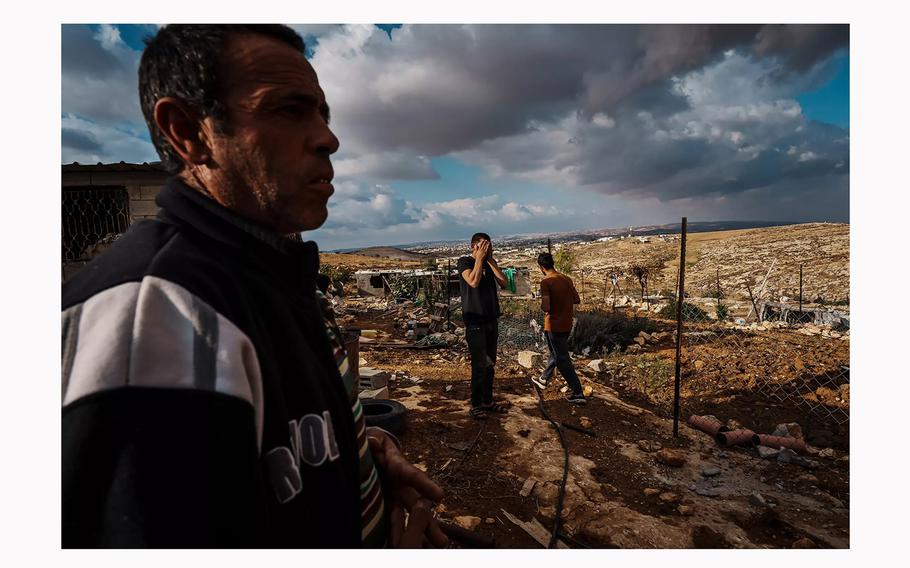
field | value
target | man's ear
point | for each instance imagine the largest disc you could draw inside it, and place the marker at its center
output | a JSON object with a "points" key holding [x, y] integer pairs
{"points": [[183, 130]]}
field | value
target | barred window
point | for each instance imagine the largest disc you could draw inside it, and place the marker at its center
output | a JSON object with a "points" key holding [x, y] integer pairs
{"points": [[93, 216]]}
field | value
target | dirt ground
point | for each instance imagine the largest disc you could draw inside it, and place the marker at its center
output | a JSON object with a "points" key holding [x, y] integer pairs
{"points": [[617, 494]]}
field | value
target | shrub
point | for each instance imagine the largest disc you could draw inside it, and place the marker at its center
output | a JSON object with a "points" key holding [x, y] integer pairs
{"points": [[601, 330], [337, 274], [565, 260], [403, 286], [690, 312], [721, 311]]}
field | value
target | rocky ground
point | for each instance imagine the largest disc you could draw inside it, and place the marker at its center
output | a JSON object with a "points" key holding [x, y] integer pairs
{"points": [[635, 485], [621, 490]]}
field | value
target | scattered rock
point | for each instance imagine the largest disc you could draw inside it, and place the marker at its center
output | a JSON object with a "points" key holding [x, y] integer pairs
{"points": [[467, 522], [826, 453], [787, 455], [649, 446], [669, 497], [585, 422], [804, 543], [587, 390], [640, 341], [685, 510], [710, 471], [448, 388], [672, 458], [708, 492], [791, 429], [528, 487], [529, 359], [758, 500], [650, 491], [597, 365], [766, 452], [699, 365], [490, 520], [633, 348]]}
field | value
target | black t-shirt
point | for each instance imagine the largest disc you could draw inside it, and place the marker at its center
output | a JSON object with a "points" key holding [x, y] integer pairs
{"points": [[479, 304]]}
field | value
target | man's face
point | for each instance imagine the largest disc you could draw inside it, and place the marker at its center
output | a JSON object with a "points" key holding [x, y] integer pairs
{"points": [[272, 164]]}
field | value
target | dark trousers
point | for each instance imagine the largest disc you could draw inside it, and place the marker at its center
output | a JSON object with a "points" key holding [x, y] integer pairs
{"points": [[481, 339], [558, 343]]}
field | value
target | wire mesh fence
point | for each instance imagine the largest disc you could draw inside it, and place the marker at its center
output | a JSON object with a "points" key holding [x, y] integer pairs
{"points": [[738, 341]]}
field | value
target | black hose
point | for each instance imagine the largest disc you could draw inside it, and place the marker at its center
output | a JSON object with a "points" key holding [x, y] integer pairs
{"points": [[565, 469]]}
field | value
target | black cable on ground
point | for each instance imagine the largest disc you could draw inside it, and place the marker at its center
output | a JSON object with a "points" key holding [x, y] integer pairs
{"points": [[565, 469]]}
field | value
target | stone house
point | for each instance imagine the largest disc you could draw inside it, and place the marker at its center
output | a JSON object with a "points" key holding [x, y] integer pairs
{"points": [[100, 202]]}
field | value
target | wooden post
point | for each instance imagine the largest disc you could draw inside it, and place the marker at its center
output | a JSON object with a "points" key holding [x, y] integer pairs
{"points": [[754, 307], [680, 299], [582, 286]]}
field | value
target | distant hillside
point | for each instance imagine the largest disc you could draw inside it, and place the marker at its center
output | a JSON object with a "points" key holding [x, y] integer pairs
{"points": [[393, 253]]}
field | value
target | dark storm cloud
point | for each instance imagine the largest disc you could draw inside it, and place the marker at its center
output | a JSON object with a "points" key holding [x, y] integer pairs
{"points": [[80, 140], [801, 46], [83, 54]]}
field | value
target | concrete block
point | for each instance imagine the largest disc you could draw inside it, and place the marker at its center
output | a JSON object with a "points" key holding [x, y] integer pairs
{"points": [[378, 394]]}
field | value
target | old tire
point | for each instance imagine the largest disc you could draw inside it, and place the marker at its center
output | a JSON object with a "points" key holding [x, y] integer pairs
{"points": [[386, 414]]}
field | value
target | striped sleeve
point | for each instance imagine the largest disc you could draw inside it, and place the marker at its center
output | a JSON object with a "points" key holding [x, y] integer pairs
{"points": [[155, 333]]}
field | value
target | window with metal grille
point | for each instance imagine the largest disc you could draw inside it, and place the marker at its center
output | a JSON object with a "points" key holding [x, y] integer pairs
{"points": [[92, 217]]}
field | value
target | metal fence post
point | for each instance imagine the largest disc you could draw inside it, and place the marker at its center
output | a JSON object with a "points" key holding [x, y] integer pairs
{"points": [[680, 299]]}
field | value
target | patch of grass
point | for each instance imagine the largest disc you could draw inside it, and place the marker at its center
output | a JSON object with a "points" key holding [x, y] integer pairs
{"points": [[654, 372]]}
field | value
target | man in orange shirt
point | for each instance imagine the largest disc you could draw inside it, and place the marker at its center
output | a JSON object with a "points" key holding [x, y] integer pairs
{"points": [[558, 299]]}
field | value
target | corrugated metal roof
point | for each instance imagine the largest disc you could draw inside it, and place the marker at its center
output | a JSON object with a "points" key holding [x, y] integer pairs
{"points": [[119, 167]]}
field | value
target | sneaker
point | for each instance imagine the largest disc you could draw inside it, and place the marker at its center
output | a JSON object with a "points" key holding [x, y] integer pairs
{"points": [[576, 398], [541, 383]]}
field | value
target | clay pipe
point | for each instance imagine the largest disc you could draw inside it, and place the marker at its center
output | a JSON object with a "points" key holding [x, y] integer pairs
{"points": [[710, 426], [794, 444], [736, 437]]}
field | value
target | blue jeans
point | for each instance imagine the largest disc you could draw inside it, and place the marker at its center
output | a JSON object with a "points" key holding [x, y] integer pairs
{"points": [[558, 344]]}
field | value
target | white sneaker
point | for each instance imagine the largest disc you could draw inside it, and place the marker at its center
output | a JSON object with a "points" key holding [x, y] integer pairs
{"points": [[539, 382]]}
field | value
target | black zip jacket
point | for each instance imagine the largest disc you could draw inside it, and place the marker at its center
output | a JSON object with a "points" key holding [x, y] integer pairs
{"points": [[202, 401]]}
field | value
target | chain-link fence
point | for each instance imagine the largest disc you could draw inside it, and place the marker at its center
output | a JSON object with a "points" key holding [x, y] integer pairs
{"points": [[744, 352]]}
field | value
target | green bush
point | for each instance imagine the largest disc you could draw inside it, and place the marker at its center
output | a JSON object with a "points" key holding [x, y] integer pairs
{"points": [[601, 330], [721, 311], [337, 274], [403, 286], [565, 260], [690, 312]]}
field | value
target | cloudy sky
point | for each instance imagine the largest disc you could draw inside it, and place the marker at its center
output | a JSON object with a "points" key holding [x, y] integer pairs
{"points": [[450, 129]]}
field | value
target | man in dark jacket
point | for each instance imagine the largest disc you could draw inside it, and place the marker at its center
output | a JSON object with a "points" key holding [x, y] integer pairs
{"points": [[207, 397], [480, 277]]}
